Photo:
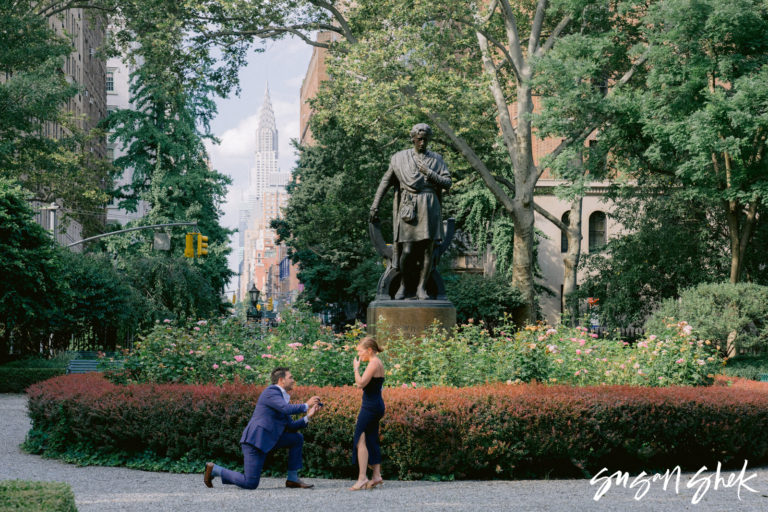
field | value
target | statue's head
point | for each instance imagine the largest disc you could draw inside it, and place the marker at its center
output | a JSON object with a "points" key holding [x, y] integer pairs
{"points": [[421, 135]]}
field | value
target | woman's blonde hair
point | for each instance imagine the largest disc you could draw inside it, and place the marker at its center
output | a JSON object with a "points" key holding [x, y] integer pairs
{"points": [[370, 342]]}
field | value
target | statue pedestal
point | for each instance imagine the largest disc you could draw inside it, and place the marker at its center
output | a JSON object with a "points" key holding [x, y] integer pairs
{"points": [[411, 317]]}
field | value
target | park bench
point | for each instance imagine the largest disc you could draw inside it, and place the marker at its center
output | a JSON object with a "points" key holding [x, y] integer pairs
{"points": [[89, 365]]}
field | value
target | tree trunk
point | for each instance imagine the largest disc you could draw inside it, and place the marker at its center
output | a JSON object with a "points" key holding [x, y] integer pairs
{"points": [[740, 234], [571, 261], [522, 268], [523, 218]]}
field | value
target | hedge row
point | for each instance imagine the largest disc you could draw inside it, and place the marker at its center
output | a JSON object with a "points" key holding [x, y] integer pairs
{"points": [[16, 380], [26, 496], [497, 431]]}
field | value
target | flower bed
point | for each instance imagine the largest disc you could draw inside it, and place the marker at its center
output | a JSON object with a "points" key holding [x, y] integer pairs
{"points": [[469, 355], [492, 431]]}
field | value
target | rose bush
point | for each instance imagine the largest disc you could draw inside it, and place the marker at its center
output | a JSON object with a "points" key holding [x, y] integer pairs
{"points": [[467, 355]]}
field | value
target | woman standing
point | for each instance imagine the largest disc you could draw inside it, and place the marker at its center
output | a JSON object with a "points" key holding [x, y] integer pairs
{"points": [[366, 450]]}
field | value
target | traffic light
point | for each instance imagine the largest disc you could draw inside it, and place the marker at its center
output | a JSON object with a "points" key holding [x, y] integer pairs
{"points": [[202, 245], [269, 304], [189, 247]]}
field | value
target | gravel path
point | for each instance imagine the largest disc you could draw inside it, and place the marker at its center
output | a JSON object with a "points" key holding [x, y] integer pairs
{"points": [[119, 489]]}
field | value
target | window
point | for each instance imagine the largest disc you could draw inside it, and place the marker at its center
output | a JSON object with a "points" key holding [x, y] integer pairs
{"points": [[110, 153], [111, 80], [566, 218], [597, 234]]}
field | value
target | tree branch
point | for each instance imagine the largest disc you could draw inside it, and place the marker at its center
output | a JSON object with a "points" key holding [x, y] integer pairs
{"points": [[346, 31], [508, 131], [504, 51], [550, 42], [630, 72], [268, 32], [515, 49], [551, 218], [538, 21], [491, 11], [565, 143]]}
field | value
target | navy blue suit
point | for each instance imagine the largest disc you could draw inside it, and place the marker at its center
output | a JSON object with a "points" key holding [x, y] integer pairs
{"points": [[270, 427]]}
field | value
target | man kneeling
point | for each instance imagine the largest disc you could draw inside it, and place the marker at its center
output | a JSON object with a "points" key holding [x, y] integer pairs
{"points": [[270, 427]]}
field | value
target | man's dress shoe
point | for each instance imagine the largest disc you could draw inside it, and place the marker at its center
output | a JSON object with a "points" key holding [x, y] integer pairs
{"points": [[207, 478], [298, 485]]}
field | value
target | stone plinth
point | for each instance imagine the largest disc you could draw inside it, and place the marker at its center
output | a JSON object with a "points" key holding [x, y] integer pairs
{"points": [[410, 317]]}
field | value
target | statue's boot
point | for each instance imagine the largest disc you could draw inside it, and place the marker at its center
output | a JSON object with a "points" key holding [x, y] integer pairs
{"points": [[422, 294], [400, 295]]}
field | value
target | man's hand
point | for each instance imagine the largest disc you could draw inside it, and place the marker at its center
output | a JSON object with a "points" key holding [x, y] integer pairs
{"points": [[312, 410], [312, 402], [373, 216]]}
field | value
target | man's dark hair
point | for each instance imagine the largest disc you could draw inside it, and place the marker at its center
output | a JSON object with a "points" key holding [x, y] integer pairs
{"points": [[278, 373]]}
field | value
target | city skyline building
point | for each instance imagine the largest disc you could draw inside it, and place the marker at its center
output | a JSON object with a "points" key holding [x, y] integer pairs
{"points": [[264, 200], [84, 67]]}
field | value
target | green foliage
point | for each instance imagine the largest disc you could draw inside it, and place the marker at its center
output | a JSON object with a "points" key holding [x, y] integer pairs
{"points": [[481, 298], [325, 223], [468, 355], [747, 367], [668, 246], [698, 118], [31, 289], [722, 312], [28, 496], [33, 96], [17, 379], [172, 88], [227, 351], [169, 287]]}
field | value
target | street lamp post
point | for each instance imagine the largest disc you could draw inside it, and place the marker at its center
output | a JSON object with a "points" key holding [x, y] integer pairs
{"points": [[253, 312]]}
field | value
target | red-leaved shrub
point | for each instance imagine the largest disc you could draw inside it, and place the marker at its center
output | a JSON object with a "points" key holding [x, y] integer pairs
{"points": [[496, 431]]}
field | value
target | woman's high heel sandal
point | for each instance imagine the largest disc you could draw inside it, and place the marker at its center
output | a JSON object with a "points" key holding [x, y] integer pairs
{"points": [[364, 486], [372, 484]]}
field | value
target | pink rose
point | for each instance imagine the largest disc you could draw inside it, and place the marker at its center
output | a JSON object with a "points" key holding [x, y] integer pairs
{"points": [[239, 359], [680, 361], [191, 352], [215, 366], [578, 351], [197, 328], [248, 367], [405, 385], [594, 335]]}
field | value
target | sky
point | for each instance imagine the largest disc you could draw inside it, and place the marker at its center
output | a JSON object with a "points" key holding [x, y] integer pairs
{"points": [[283, 65]]}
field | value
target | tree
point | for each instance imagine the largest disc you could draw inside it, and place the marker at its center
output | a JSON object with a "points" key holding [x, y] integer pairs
{"points": [[699, 120], [399, 57], [30, 288], [325, 223], [172, 89], [670, 243]]}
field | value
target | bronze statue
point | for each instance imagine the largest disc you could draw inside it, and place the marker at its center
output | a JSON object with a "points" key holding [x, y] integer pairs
{"points": [[418, 177]]}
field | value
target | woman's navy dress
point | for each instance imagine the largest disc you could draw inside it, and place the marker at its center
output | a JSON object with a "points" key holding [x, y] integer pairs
{"points": [[371, 411]]}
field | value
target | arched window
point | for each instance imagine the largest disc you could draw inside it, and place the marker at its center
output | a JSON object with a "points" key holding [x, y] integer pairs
{"points": [[566, 218], [597, 231]]}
